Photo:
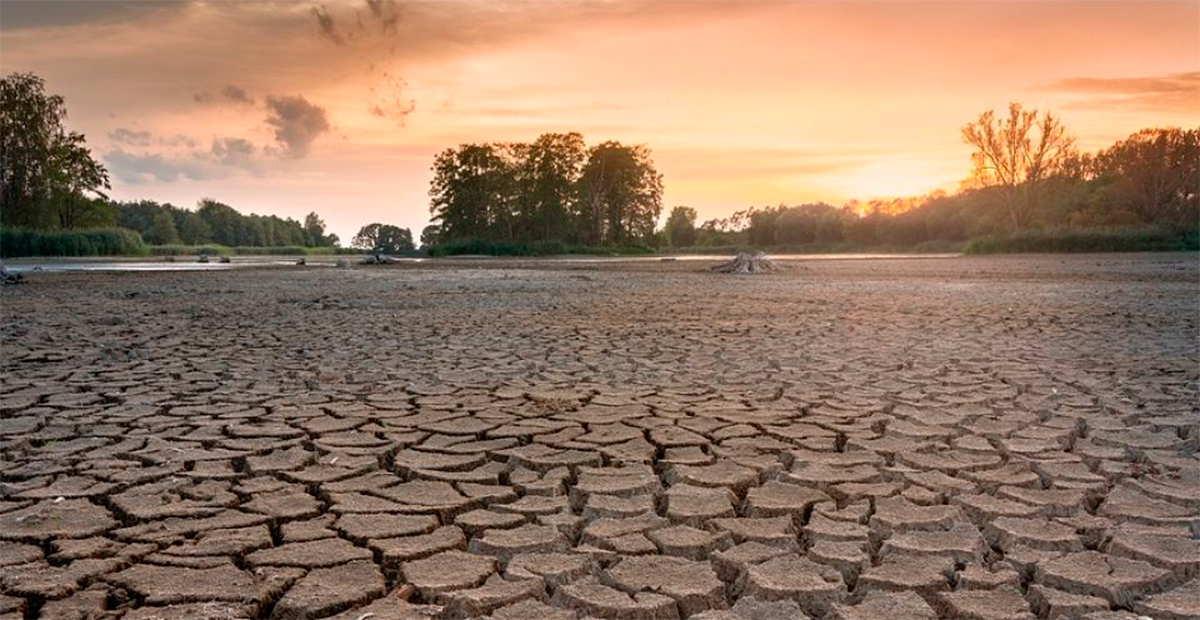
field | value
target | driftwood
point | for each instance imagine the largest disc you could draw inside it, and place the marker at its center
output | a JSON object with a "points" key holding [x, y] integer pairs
{"points": [[745, 263], [9, 277]]}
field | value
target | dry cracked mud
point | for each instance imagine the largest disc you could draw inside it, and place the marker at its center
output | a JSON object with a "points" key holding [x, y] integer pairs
{"points": [[984, 438]]}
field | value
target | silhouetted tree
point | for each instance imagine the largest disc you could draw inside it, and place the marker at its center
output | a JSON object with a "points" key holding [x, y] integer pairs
{"points": [[1155, 174], [431, 235], [681, 227], [384, 238], [471, 193], [1017, 154], [620, 195], [546, 172]]}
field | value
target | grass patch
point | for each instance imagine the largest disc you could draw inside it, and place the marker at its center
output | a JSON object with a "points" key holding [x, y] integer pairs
{"points": [[91, 242], [1089, 240], [842, 247], [534, 248], [245, 250]]}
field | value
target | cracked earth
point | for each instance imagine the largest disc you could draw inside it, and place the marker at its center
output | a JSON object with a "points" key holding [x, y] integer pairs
{"points": [[977, 438]]}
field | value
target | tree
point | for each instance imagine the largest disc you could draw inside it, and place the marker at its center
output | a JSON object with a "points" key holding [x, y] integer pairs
{"points": [[46, 172], [431, 235], [681, 227], [620, 195], [314, 230], [546, 173], [1017, 154], [384, 238], [194, 230], [162, 229], [1154, 174], [472, 193]]}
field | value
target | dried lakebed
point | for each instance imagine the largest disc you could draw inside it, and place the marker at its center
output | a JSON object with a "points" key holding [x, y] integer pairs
{"points": [[990, 438]]}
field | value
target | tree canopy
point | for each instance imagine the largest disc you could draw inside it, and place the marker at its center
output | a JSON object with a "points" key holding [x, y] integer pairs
{"points": [[384, 238], [48, 178], [553, 189]]}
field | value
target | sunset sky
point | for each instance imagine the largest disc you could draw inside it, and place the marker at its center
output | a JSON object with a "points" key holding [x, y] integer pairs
{"points": [[339, 107]]}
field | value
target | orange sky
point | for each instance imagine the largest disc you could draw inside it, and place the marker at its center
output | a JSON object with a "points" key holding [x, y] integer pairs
{"points": [[742, 103]]}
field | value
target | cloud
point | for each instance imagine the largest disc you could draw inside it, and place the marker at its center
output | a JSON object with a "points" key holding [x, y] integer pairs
{"points": [[326, 25], [238, 152], [1176, 92], [385, 13], [140, 168], [236, 94], [23, 14], [388, 101], [229, 92], [133, 137], [297, 123]]}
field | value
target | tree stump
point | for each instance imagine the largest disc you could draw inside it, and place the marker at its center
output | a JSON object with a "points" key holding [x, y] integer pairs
{"points": [[9, 277], [745, 264]]}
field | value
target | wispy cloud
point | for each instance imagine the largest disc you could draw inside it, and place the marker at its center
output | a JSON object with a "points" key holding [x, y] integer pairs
{"points": [[1177, 92]]}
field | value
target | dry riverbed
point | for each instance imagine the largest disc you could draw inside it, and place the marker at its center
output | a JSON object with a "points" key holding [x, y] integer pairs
{"points": [[990, 438]]}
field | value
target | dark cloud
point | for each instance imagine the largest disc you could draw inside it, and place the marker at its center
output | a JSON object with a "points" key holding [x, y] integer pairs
{"points": [[1178, 92], [236, 94], [385, 13], [24, 14], [132, 137], [229, 92], [297, 123], [325, 24]]}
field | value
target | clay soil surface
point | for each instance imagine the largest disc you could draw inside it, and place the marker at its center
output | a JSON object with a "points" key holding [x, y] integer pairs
{"points": [[991, 438]]}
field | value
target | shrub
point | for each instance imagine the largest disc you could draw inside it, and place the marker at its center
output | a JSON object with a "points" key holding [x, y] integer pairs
{"points": [[1090, 240], [90, 242]]}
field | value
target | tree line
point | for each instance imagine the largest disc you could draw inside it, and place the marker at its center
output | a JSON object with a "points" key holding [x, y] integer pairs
{"points": [[49, 181], [1027, 177], [559, 194]]}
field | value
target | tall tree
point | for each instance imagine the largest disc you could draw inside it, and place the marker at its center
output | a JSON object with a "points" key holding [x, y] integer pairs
{"points": [[1155, 174], [546, 173], [681, 227], [620, 195], [162, 229], [46, 172], [472, 193], [1018, 153]]}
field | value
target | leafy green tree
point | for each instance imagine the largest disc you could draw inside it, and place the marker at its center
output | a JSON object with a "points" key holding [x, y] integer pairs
{"points": [[162, 229], [384, 238], [194, 230], [46, 172], [620, 195], [1018, 154], [681, 227]]}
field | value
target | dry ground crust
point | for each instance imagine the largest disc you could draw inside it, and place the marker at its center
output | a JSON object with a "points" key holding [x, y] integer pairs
{"points": [[1000, 437]]}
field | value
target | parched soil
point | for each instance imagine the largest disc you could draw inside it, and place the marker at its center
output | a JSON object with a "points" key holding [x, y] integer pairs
{"points": [[977, 438]]}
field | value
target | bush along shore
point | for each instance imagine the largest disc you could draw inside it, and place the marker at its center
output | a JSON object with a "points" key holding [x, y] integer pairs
{"points": [[127, 243]]}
